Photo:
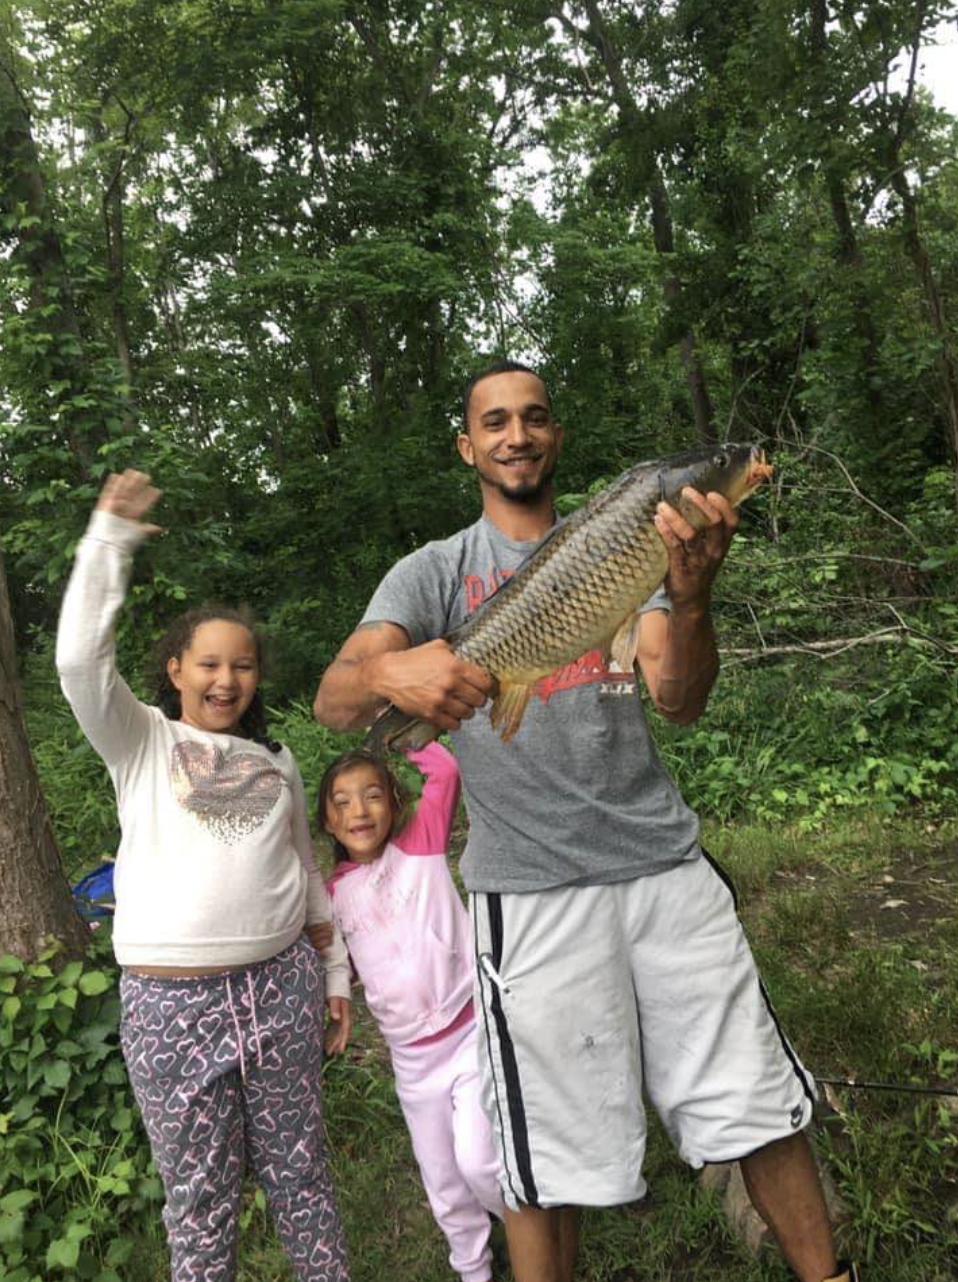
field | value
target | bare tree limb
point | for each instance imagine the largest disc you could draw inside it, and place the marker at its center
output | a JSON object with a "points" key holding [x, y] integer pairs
{"points": [[831, 649]]}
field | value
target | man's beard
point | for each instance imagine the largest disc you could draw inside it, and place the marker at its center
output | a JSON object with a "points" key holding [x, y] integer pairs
{"points": [[526, 493]]}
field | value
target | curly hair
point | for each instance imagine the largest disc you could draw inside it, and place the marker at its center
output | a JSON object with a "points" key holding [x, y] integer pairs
{"points": [[394, 788], [177, 638]]}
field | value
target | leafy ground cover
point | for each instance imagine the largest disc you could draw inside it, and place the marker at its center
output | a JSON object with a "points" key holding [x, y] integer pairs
{"points": [[857, 937]]}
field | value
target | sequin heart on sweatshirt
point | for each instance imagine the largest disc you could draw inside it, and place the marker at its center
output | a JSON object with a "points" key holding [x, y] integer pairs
{"points": [[231, 796]]}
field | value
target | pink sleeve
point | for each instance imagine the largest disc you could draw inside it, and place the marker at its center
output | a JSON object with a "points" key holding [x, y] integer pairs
{"points": [[427, 833]]}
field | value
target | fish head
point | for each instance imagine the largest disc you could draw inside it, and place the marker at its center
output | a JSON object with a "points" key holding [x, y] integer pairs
{"points": [[734, 471]]}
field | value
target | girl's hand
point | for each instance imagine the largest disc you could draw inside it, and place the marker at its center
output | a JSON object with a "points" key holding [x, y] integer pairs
{"points": [[320, 935], [131, 496], [340, 1025]]}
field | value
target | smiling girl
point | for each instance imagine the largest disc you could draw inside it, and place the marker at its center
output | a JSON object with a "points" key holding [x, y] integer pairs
{"points": [[408, 934], [221, 992]]}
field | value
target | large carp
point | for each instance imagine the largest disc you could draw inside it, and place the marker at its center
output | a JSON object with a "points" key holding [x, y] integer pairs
{"points": [[582, 586]]}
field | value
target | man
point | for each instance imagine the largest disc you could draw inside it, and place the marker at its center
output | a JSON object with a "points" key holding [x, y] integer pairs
{"points": [[609, 954]]}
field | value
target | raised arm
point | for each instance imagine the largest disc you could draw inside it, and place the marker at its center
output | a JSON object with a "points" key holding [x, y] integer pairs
{"points": [[427, 833], [677, 652], [111, 717], [378, 665]]}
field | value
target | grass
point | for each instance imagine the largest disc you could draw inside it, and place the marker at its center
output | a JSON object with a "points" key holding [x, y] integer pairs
{"points": [[856, 934]]}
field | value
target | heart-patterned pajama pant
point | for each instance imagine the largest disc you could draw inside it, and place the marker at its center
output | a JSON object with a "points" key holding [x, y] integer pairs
{"points": [[227, 1068]]}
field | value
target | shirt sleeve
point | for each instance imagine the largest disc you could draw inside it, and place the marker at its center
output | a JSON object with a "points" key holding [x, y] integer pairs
{"points": [[411, 595], [659, 600], [318, 905], [112, 718], [427, 833]]}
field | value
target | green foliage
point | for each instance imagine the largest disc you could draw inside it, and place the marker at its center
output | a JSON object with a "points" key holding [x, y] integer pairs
{"points": [[313, 746], [75, 1171], [76, 786], [783, 744]]}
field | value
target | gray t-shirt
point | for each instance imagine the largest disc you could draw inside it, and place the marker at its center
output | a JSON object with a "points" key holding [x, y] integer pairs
{"points": [[579, 795]]}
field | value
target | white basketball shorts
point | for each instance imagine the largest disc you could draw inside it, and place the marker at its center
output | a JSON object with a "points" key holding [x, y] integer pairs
{"points": [[587, 994]]}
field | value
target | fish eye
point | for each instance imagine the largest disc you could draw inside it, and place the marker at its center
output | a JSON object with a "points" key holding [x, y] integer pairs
{"points": [[720, 459]]}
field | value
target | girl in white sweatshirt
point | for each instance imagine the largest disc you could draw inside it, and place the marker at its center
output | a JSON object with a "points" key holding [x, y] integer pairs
{"points": [[222, 991]]}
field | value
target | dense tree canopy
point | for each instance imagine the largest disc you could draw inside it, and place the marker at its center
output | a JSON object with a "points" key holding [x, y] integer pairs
{"points": [[255, 248]]}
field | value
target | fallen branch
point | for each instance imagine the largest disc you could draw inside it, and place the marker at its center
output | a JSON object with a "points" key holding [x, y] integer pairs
{"points": [[830, 649]]}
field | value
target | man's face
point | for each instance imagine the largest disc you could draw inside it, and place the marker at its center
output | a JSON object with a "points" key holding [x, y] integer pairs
{"points": [[513, 441]]}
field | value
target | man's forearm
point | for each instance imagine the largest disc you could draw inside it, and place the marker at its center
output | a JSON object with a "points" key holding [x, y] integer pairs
{"points": [[349, 694], [689, 664]]}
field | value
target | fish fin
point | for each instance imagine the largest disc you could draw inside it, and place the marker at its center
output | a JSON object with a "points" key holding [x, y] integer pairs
{"points": [[394, 729], [626, 640], [508, 707]]}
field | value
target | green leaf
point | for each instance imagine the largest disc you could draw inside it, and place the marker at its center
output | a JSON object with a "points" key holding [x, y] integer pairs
{"points": [[119, 1251], [10, 965], [93, 982], [11, 1228], [10, 1008], [57, 1074], [62, 1253], [18, 1199], [70, 974]]}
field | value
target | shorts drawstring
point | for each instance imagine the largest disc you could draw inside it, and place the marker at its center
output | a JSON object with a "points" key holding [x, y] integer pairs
{"points": [[485, 964], [236, 1024], [252, 1011]]}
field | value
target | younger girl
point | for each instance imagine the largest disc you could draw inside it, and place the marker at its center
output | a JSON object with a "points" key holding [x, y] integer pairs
{"points": [[408, 934], [221, 995]]}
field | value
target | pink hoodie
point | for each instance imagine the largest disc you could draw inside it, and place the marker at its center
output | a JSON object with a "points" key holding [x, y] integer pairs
{"points": [[403, 921]]}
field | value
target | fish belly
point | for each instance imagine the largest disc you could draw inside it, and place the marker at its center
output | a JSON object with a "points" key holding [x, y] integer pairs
{"points": [[572, 603]]}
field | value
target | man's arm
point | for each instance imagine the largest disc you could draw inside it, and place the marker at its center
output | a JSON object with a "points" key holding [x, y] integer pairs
{"points": [[677, 653], [679, 662], [378, 665]]}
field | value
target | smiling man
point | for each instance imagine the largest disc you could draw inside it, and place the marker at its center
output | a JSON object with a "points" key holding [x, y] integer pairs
{"points": [[609, 953]]}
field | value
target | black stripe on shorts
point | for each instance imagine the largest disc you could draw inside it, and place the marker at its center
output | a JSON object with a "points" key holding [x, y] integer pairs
{"points": [[510, 1069], [786, 1046], [488, 1035]]}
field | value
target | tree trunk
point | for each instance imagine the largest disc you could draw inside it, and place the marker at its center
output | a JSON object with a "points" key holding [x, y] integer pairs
{"points": [[36, 906], [113, 194], [848, 251], [947, 356], [631, 116], [688, 349]]}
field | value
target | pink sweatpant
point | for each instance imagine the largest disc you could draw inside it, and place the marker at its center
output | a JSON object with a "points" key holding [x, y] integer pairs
{"points": [[438, 1088]]}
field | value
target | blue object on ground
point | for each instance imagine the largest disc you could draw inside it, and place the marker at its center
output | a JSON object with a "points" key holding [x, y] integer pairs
{"points": [[94, 893]]}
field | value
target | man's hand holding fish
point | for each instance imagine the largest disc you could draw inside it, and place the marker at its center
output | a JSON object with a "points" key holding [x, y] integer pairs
{"points": [[695, 555]]}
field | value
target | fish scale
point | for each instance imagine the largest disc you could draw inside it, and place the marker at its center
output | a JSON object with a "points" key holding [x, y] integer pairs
{"points": [[581, 588]]}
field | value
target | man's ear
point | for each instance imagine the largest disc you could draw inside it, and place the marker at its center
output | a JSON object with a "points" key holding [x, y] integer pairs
{"points": [[557, 432], [464, 446]]}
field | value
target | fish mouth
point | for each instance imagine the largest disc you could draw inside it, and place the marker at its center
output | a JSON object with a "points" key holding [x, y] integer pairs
{"points": [[757, 471]]}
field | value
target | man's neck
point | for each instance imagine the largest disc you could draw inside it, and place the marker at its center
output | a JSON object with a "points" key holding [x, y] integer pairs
{"points": [[520, 522]]}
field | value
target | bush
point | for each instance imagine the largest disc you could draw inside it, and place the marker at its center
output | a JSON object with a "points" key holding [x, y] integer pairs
{"points": [[75, 1170]]}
